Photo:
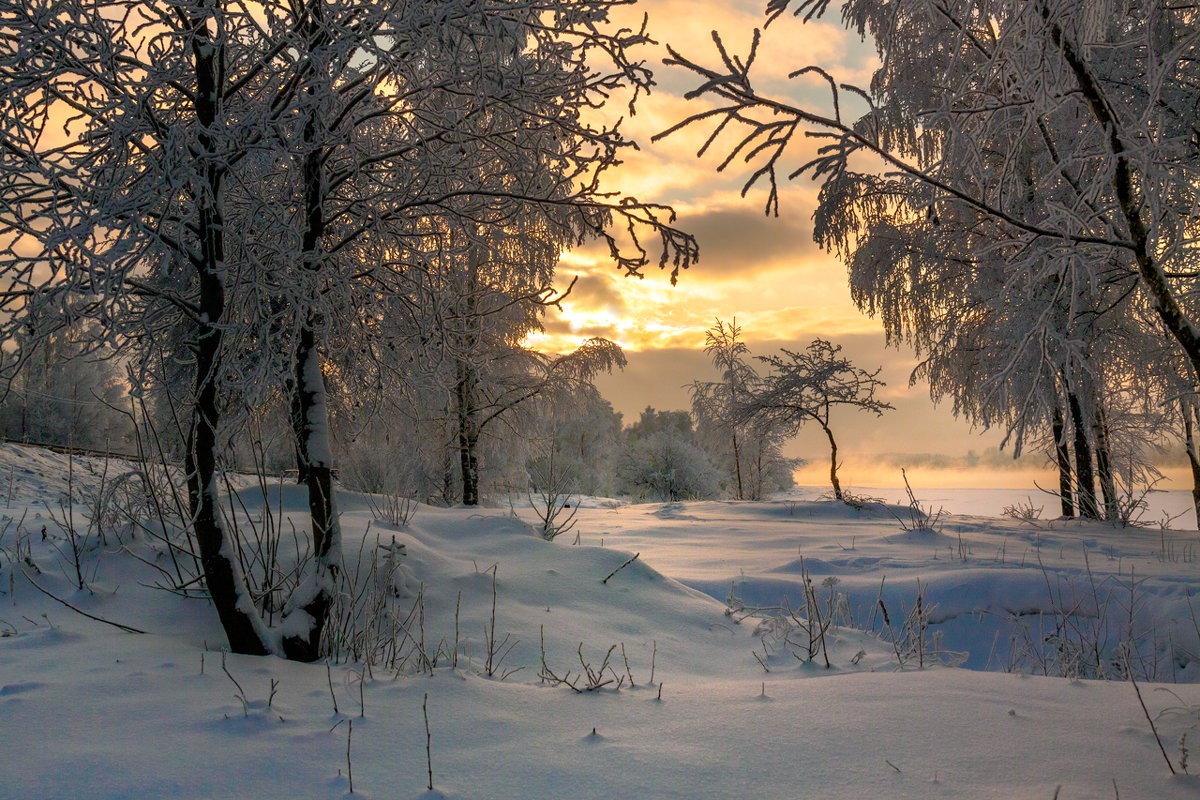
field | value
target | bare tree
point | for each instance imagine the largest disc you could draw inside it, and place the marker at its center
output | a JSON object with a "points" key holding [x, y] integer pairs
{"points": [[805, 387]]}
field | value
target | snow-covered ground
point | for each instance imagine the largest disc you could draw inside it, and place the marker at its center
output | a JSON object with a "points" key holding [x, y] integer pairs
{"points": [[715, 684]]}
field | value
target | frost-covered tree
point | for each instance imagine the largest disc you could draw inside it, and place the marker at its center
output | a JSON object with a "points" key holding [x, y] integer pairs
{"points": [[468, 315], [663, 460], [715, 402], [751, 446], [146, 146], [806, 387], [66, 397], [583, 434], [517, 377]]}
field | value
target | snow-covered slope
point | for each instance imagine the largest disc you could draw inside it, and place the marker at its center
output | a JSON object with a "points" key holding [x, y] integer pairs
{"points": [[700, 699]]}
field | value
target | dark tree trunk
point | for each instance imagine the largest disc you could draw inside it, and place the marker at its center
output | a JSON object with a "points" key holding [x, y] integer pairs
{"points": [[465, 389], [448, 450], [1085, 478], [310, 411], [1062, 455], [833, 478], [468, 437], [737, 465], [222, 576], [1108, 486]]}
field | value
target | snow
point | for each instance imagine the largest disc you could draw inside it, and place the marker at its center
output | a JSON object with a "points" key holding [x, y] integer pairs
{"points": [[92, 711], [317, 416]]}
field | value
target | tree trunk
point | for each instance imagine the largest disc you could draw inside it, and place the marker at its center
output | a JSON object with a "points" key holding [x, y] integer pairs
{"points": [[296, 414], [1173, 314], [468, 436], [1062, 454], [737, 465], [468, 461], [314, 598], [222, 573], [467, 384], [1189, 410], [447, 454], [833, 478], [310, 412], [1085, 478], [1108, 486]]}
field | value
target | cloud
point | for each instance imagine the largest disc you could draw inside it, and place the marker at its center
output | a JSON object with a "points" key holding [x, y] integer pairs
{"points": [[597, 291], [766, 272], [656, 378], [736, 239]]}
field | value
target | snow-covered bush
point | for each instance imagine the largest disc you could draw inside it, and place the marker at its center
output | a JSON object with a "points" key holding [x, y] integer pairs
{"points": [[664, 462], [582, 434]]}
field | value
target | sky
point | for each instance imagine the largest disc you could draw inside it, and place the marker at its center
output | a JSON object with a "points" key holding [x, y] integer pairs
{"points": [[765, 272]]}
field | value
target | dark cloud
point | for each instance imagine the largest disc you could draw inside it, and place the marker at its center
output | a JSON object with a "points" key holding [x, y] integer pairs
{"points": [[597, 292], [989, 458], [732, 239], [741, 239], [866, 350], [555, 325], [661, 378]]}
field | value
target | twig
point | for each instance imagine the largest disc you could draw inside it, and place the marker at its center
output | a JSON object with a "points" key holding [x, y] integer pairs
{"points": [[1149, 719], [349, 763], [623, 566], [428, 740], [329, 677], [241, 694], [126, 628]]}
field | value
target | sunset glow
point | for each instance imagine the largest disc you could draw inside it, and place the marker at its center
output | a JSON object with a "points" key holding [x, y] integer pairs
{"points": [[764, 271]]}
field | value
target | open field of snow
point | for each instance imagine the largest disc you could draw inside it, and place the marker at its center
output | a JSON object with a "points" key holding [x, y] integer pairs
{"points": [[696, 670], [1174, 505]]}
